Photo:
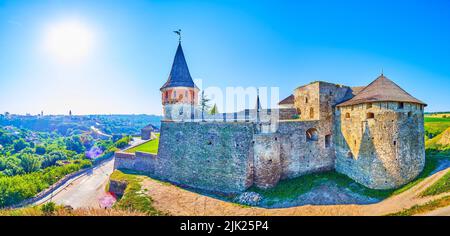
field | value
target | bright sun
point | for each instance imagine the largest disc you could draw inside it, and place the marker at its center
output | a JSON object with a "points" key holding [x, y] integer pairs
{"points": [[69, 41]]}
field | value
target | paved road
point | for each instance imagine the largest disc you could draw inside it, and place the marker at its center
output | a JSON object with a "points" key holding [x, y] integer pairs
{"points": [[83, 191]]}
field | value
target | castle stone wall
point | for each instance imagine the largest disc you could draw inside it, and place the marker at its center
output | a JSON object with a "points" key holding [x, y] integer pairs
{"points": [[300, 156], [307, 101], [267, 163], [214, 156], [330, 95], [287, 113], [139, 161], [380, 145]]}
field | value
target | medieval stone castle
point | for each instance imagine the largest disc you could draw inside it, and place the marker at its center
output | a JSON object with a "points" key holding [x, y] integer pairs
{"points": [[373, 134]]}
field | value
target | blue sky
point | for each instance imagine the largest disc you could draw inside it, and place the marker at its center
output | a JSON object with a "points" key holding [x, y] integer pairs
{"points": [[226, 43]]}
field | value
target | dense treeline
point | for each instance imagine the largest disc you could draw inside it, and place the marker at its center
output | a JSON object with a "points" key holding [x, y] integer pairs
{"points": [[73, 125], [14, 189], [23, 151], [31, 161]]}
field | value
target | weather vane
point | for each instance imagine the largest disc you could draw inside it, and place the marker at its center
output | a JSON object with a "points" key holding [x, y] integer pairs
{"points": [[179, 34]]}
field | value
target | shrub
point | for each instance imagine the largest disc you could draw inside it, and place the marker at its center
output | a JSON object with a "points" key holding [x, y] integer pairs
{"points": [[123, 142], [48, 208]]}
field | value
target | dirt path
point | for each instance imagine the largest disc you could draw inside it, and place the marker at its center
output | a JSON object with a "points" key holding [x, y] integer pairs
{"points": [[177, 201]]}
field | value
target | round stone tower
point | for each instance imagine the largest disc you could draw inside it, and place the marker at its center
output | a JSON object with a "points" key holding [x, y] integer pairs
{"points": [[179, 95], [380, 136]]}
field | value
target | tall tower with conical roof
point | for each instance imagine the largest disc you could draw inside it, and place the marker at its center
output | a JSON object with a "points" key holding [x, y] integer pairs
{"points": [[179, 93]]}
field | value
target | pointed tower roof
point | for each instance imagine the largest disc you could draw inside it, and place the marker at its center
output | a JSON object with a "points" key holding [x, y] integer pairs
{"points": [[382, 90], [179, 75]]}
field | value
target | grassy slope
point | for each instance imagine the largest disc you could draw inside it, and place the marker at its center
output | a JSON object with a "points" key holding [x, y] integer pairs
{"points": [[427, 207], [441, 186], [436, 125], [149, 147], [133, 199], [440, 142]]}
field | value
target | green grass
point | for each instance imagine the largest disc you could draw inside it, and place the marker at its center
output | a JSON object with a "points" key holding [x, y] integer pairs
{"points": [[148, 147], [133, 199], [440, 186], [437, 142], [436, 125], [427, 207]]}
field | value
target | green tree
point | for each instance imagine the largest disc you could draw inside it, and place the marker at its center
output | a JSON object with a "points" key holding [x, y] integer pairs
{"points": [[214, 110], [13, 166], [19, 145], [123, 142], [40, 150], [2, 163], [74, 143], [5, 139], [30, 163], [50, 159], [204, 103], [104, 144]]}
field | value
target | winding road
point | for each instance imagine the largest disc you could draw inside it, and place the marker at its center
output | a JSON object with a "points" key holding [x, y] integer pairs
{"points": [[83, 191]]}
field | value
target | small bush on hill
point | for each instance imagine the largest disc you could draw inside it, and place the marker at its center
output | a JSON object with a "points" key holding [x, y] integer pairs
{"points": [[48, 208]]}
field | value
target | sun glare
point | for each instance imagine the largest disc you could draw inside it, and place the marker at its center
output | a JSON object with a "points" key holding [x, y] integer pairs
{"points": [[69, 41]]}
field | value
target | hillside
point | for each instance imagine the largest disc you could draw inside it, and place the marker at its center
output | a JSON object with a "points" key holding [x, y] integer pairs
{"points": [[435, 125], [441, 141]]}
